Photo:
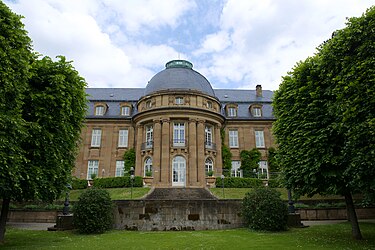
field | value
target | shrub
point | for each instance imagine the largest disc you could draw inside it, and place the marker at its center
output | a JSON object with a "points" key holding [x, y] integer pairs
{"points": [[275, 183], [93, 211], [236, 182], [263, 209], [118, 182], [79, 183]]}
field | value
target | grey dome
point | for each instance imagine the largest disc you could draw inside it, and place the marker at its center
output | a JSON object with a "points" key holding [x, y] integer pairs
{"points": [[179, 75]]}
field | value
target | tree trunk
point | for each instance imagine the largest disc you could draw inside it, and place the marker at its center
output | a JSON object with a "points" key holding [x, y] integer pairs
{"points": [[3, 218], [352, 216]]}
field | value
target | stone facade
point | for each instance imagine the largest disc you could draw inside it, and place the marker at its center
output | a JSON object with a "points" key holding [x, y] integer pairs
{"points": [[175, 126]]}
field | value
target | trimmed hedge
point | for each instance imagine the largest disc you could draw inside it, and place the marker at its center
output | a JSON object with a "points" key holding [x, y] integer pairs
{"points": [[79, 183], [275, 183], [237, 182], [118, 182]]}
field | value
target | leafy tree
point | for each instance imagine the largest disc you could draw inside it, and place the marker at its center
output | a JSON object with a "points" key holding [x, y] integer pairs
{"points": [[250, 161], [226, 155], [325, 110], [272, 160], [15, 54], [129, 160], [43, 106]]}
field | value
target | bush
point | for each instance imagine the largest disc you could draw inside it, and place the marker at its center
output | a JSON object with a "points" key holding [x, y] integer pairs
{"points": [[263, 209], [93, 211], [237, 182], [79, 183], [275, 183], [118, 182]]}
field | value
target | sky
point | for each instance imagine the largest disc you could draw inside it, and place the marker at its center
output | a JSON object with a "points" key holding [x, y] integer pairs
{"points": [[233, 43]]}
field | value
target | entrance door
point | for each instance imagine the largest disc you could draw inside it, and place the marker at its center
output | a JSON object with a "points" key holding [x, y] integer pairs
{"points": [[178, 171]]}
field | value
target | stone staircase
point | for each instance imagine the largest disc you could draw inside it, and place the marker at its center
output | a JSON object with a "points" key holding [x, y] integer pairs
{"points": [[180, 194]]}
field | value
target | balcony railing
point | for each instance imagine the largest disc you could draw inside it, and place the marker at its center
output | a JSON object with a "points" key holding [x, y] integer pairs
{"points": [[210, 145], [147, 145]]}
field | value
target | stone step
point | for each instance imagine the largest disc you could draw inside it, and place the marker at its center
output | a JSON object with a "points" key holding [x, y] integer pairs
{"points": [[180, 194]]}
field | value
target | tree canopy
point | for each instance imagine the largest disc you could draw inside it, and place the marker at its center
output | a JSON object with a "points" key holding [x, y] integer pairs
{"points": [[325, 111], [42, 109]]}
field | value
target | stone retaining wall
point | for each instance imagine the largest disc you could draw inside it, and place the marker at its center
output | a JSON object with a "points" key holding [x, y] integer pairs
{"points": [[32, 216], [166, 215], [334, 213]]}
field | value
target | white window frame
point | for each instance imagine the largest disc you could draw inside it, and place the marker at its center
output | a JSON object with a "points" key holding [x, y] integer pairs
{"points": [[232, 111], [209, 165], [263, 168], [125, 111], [236, 170], [257, 112], [147, 165], [179, 134], [208, 136], [179, 100], [123, 135], [92, 168], [259, 139], [99, 110], [96, 137], [120, 165], [149, 136], [233, 138]]}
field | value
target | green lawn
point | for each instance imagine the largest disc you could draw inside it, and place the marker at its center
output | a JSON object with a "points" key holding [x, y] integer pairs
{"points": [[115, 193], [316, 237]]}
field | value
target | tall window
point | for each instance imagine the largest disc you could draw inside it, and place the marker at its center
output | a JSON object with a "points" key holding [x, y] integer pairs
{"points": [[123, 138], [257, 112], [96, 137], [125, 110], [232, 111], [236, 169], [208, 135], [148, 167], [99, 110], [93, 167], [233, 138], [119, 168], [179, 100], [263, 169], [149, 136], [259, 139], [209, 166], [179, 134]]}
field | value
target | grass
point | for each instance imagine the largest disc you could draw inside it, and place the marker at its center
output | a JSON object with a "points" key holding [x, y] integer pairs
{"points": [[115, 193], [239, 193], [335, 236]]}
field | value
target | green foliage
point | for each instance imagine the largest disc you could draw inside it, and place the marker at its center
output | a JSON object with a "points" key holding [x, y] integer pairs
{"points": [[226, 155], [249, 161], [129, 159], [275, 183], [236, 182], [93, 213], [263, 209], [79, 183], [118, 182], [273, 164]]}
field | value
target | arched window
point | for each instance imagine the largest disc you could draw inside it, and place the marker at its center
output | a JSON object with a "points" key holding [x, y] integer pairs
{"points": [[209, 166], [148, 167]]}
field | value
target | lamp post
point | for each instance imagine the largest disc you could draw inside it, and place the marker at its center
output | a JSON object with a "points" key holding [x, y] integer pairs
{"points": [[66, 203], [291, 209], [222, 182], [131, 180]]}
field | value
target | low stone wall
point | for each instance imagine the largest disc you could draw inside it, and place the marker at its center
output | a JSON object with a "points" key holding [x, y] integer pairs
{"points": [[166, 215], [32, 216], [334, 213]]}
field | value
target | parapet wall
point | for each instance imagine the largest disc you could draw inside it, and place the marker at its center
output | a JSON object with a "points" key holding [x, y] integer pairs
{"points": [[166, 215]]}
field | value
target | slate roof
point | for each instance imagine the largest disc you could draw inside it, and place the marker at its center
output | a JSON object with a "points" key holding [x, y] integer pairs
{"points": [[243, 98]]}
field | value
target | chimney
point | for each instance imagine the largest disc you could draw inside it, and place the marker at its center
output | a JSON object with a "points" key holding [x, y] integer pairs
{"points": [[259, 91]]}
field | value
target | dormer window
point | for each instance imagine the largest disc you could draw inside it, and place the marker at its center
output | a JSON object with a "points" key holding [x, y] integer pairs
{"points": [[256, 110], [179, 100], [209, 105], [148, 104], [99, 110], [232, 110], [125, 110]]}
